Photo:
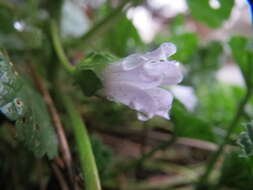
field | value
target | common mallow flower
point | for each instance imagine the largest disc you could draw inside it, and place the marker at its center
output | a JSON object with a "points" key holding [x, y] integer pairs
{"points": [[137, 81]]}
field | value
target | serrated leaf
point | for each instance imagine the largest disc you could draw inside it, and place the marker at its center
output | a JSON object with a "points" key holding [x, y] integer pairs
{"points": [[245, 140], [20, 103], [214, 17], [35, 128]]}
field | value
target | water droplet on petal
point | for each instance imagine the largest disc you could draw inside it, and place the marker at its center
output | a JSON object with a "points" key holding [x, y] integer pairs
{"points": [[143, 116], [132, 62]]}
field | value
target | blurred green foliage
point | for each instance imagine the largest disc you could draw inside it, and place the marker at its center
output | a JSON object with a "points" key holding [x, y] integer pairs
{"points": [[24, 33], [212, 16]]}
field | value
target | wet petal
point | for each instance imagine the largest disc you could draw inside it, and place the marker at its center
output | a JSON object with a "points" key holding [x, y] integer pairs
{"points": [[163, 52], [163, 100], [129, 63], [137, 77], [172, 74], [131, 96]]}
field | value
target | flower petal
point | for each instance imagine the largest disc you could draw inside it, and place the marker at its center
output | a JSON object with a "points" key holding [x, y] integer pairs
{"points": [[163, 100], [172, 74], [131, 96], [163, 52], [137, 77], [169, 71], [148, 102], [126, 64]]}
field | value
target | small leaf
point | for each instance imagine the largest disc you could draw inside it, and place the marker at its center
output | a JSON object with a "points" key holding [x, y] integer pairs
{"points": [[87, 71], [88, 81]]}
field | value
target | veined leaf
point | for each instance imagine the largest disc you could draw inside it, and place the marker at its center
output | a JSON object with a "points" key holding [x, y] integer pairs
{"points": [[20, 103]]}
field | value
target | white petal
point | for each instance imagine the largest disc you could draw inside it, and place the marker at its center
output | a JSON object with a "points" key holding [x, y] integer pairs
{"points": [[129, 63], [172, 74], [163, 52], [169, 71], [131, 96], [163, 100], [186, 95], [137, 77]]}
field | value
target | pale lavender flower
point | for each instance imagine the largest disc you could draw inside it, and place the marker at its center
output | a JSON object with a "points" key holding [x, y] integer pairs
{"points": [[137, 81]]}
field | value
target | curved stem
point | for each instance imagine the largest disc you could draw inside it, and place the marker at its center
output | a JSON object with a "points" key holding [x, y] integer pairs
{"points": [[239, 113], [58, 47], [86, 156]]}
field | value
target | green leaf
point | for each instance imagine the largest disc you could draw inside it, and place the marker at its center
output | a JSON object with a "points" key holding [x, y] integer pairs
{"points": [[27, 108], [103, 155], [202, 11], [187, 45], [236, 172], [189, 125], [88, 81], [86, 72], [243, 55], [120, 39], [6, 19]]}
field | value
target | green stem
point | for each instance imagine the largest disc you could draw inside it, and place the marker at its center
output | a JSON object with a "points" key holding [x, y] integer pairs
{"points": [[87, 160], [100, 24], [239, 113], [58, 47]]}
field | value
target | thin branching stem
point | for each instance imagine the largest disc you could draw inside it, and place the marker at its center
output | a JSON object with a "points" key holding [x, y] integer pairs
{"points": [[210, 166]]}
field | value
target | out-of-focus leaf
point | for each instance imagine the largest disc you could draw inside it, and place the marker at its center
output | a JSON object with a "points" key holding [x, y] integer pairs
{"points": [[177, 25], [243, 55], [205, 63], [86, 71], [214, 17], [187, 45], [218, 102], [245, 140], [210, 56], [6, 19], [122, 37], [237, 172], [103, 155], [27, 108], [190, 125]]}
